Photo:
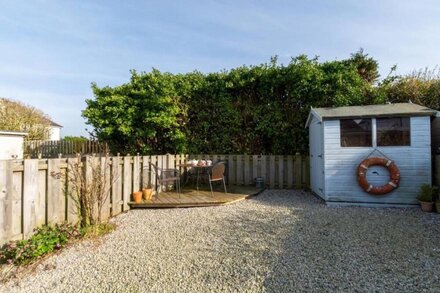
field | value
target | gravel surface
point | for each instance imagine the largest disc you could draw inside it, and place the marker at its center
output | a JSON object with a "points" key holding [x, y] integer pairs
{"points": [[278, 241]]}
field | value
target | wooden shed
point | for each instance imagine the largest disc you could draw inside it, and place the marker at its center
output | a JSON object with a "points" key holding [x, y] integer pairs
{"points": [[344, 137]]}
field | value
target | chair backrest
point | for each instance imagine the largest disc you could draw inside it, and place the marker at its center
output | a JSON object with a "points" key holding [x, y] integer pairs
{"points": [[218, 171], [155, 169]]}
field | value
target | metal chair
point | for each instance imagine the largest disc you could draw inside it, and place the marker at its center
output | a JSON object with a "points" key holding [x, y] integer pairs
{"points": [[166, 176], [217, 173]]}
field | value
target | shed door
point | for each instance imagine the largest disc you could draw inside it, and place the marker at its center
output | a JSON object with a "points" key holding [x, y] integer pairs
{"points": [[316, 158]]}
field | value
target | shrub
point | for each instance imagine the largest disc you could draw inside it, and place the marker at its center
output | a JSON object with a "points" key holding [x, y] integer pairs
{"points": [[249, 109], [427, 193], [90, 190], [75, 138], [45, 240]]}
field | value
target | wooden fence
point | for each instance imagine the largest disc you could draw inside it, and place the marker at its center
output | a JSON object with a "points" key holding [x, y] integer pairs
{"points": [[63, 148], [34, 192]]}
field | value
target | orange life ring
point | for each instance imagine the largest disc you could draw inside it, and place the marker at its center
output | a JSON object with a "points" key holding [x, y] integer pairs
{"points": [[378, 190]]}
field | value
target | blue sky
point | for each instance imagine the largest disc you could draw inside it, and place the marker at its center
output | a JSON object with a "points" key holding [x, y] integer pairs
{"points": [[50, 51]]}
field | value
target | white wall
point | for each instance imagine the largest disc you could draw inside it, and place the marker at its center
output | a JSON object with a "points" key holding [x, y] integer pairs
{"points": [[54, 133], [414, 163], [11, 146]]}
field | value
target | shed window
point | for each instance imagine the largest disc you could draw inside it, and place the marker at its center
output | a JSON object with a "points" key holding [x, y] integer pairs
{"points": [[393, 131], [356, 132]]}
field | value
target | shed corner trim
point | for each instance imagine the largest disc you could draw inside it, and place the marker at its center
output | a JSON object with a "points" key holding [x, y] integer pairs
{"points": [[309, 118]]}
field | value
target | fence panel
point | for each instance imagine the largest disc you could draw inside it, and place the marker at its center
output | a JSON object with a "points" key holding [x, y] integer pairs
{"points": [[105, 172], [116, 192], [239, 169], [231, 169], [34, 192], [55, 194], [6, 218], [56, 148], [127, 182], [30, 195], [71, 206]]}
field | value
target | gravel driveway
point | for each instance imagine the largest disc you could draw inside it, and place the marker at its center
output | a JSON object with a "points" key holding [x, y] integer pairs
{"points": [[278, 241]]}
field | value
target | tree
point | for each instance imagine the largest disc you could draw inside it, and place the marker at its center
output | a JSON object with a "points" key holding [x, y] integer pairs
{"points": [[367, 67], [143, 115], [16, 116]]}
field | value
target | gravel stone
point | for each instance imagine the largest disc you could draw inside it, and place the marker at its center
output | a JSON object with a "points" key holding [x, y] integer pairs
{"points": [[278, 241]]}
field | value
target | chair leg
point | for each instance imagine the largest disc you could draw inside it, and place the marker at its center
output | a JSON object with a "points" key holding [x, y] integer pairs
{"points": [[224, 184], [210, 185], [197, 182]]}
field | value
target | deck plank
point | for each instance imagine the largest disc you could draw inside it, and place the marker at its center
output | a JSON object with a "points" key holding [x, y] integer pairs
{"points": [[194, 198]]}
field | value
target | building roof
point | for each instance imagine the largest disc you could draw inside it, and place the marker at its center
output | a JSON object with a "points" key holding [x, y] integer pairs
{"points": [[12, 133], [370, 111], [51, 123]]}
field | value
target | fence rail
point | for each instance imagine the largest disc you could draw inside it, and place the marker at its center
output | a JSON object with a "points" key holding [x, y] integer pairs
{"points": [[65, 148], [34, 192]]}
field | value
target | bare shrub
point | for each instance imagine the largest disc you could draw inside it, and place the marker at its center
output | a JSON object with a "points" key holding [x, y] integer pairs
{"points": [[89, 182]]}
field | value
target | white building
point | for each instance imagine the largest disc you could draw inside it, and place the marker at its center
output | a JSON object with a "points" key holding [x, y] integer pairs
{"points": [[11, 145], [341, 138], [54, 131]]}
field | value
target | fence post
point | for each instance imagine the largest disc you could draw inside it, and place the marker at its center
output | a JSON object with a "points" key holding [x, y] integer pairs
{"points": [[117, 186], [239, 170], [297, 171], [281, 172], [136, 173], [289, 171], [55, 196], [6, 204], [127, 182], [30, 194], [272, 171], [247, 170]]}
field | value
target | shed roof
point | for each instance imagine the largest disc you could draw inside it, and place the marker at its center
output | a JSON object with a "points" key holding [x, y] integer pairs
{"points": [[12, 133], [387, 110]]}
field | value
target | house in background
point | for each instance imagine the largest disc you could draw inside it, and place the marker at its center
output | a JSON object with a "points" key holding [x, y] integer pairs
{"points": [[54, 130], [341, 139], [11, 145]]}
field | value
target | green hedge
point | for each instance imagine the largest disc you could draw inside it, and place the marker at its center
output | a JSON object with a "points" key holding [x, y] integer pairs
{"points": [[249, 109]]}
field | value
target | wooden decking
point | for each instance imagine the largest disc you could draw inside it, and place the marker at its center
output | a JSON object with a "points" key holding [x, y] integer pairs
{"points": [[194, 198]]}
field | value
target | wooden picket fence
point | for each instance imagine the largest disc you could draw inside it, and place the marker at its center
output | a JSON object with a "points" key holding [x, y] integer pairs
{"points": [[62, 148], [34, 192]]}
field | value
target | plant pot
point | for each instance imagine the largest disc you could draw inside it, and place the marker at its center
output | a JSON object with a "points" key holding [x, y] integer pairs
{"points": [[426, 206], [437, 206], [137, 196], [147, 193]]}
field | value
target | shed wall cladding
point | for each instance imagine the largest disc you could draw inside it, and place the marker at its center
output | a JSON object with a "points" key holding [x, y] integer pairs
{"points": [[413, 161], [436, 134], [316, 155]]}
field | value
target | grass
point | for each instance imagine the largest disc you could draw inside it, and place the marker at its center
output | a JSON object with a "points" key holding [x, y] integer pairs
{"points": [[98, 230]]}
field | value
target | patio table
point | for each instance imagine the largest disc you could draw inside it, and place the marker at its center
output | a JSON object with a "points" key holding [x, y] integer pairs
{"points": [[199, 168]]}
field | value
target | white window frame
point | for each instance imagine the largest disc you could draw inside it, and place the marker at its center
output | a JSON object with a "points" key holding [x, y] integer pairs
{"points": [[374, 136]]}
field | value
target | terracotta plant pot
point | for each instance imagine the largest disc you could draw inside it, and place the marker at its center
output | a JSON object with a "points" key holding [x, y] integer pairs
{"points": [[426, 206], [137, 196], [147, 193]]}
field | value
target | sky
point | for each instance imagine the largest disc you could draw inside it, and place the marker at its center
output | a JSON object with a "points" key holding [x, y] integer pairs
{"points": [[51, 51]]}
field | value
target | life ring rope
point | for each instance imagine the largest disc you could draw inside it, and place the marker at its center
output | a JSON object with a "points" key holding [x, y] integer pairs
{"points": [[378, 190]]}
